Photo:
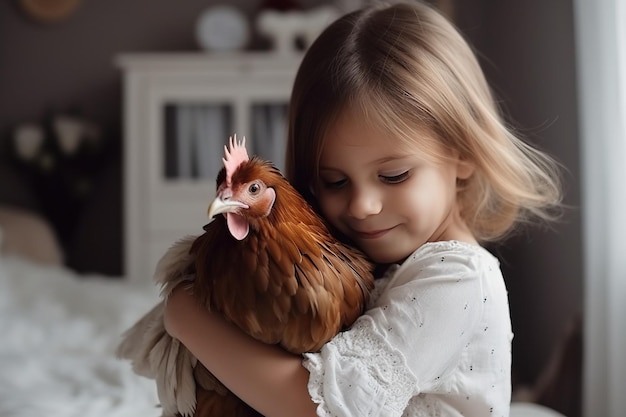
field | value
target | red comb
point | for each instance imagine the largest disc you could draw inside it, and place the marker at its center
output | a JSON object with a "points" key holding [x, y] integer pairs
{"points": [[234, 154]]}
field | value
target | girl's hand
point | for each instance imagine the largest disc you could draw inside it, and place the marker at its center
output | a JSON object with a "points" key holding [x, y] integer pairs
{"points": [[268, 378]]}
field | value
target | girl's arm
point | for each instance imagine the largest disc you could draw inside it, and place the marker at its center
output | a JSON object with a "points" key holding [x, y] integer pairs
{"points": [[269, 379]]}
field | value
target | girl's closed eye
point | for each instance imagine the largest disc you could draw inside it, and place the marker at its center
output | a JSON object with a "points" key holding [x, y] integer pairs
{"points": [[395, 179], [333, 184]]}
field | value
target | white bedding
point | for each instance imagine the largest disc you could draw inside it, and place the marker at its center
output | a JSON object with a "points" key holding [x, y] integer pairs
{"points": [[58, 333]]}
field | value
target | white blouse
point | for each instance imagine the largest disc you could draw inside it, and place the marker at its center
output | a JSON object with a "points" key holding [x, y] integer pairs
{"points": [[435, 341]]}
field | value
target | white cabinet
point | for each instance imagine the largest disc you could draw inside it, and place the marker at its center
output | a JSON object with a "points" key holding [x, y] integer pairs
{"points": [[179, 110]]}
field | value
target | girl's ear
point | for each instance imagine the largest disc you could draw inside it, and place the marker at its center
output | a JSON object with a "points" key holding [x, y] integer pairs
{"points": [[464, 169]]}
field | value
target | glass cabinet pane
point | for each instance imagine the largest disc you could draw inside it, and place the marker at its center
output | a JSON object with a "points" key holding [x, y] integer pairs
{"points": [[269, 127], [194, 137]]}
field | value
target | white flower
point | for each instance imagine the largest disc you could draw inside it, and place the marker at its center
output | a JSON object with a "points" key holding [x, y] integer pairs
{"points": [[69, 133], [28, 139]]}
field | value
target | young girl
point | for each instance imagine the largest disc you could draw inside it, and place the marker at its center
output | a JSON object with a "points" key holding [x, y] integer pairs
{"points": [[395, 138]]}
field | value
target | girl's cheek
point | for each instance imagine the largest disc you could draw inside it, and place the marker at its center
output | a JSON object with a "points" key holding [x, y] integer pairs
{"points": [[331, 207], [325, 207]]}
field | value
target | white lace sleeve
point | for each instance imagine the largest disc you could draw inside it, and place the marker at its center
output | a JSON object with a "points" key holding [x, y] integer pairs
{"points": [[359, 374]]}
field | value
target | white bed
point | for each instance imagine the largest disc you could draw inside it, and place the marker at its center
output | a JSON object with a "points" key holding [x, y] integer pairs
{"points": [[58, 333]]}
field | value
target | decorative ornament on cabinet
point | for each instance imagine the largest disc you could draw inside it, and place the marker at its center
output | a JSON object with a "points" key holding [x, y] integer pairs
{"points": [[286, 28], [222, 28]]}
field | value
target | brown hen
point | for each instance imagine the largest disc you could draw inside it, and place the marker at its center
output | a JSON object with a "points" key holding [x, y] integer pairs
{"points": [[266, 263]]}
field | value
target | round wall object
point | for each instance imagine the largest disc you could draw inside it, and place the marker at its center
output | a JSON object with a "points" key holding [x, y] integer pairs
{"points": [[49, 11], [222, 28]]}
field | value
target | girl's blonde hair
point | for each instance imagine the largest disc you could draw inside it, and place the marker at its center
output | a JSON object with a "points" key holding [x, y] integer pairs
{"points": [[407, 69]]}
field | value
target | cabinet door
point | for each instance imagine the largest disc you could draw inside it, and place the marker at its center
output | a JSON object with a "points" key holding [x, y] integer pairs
{"points": [[194, 135], [268, 124]]}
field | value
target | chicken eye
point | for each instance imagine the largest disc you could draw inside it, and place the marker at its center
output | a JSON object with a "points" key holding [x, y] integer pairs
{"points": [[254, 188]]}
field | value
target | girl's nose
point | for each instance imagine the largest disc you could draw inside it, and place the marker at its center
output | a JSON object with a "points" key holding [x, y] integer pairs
{"points": [[364, 203]]}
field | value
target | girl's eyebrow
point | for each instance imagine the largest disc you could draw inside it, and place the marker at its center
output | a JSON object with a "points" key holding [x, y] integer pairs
{"points": [[384, 159], [389, 158], [324, 169]]}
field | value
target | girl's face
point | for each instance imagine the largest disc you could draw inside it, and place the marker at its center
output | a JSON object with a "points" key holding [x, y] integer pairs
{"points": [[386, 196]]}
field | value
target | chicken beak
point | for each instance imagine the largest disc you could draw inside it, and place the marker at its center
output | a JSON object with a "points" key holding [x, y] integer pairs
{"points": [[220, 205]]}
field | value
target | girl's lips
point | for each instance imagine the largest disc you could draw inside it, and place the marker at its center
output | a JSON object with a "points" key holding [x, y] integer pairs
{"points": [[371, 235]]}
